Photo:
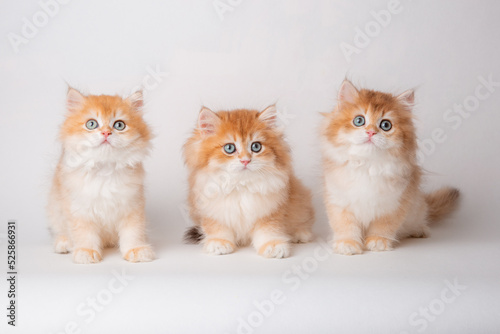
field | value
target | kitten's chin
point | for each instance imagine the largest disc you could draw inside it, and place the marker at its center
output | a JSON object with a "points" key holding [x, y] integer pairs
{"points": [[104, 146], [370, 145], [365, 149], [105, 143], [90, 156], [240, 170]]}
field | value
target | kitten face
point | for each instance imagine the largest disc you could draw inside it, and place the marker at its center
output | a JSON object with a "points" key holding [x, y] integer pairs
{"points": [[242, 153], [369, 122], [239, 141], [101, 126]]}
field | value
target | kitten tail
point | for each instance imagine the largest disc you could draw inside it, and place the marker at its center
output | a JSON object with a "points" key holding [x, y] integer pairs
{"points": [[193, 235], [441, 203]]}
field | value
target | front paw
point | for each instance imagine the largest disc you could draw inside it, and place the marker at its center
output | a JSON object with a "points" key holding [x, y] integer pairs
{"points": [[302, 236], [378, 244], [275, 249], [347, 247], [140, 254], [424, 232], [218, 247], [86, 256], [62, 245]]}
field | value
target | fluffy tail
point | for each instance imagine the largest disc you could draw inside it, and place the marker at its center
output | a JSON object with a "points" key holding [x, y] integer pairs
{"points": [[193, 235], [441, 203]]}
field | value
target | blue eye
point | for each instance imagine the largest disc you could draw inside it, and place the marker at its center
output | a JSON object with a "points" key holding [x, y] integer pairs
{"points": [[91, 124], [256, 147], [119, 125], [359, 121], [229, 148], [385, 125]]}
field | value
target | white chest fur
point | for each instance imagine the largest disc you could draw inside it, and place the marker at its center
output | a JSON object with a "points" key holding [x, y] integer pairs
{"points": [[238, 201], [369, 188], [103, 194]]}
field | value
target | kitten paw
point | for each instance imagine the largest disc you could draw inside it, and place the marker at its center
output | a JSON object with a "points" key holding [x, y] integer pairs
{"points": [[347, 247], [140, 254], [275, 249], [86, 256], [62, 245], [302, 236], [378, 244], [424, 233], [218, 247]]}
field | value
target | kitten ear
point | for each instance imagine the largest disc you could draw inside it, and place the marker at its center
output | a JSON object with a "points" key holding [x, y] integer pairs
{"points": [[269, 116], [136, 100], [74, 100], [207, 121], [407, 97], [347, 92]]}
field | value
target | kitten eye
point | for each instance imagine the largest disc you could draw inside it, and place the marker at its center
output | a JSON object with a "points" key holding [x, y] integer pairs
{"points": [[119, 125], [229, 148], [91, 124], [359, 121], [256, 147], [385, 125]]}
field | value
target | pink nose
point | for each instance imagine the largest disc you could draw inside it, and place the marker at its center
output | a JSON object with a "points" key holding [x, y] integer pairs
{"points": [[371, 133], [245, 162], [106, 134]]}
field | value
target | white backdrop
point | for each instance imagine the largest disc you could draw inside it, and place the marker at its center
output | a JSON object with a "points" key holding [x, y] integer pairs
{"points": [[226, 54]]}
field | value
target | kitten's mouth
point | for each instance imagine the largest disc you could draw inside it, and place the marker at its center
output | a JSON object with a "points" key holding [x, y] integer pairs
{"points": [[369, 141], [245, 169]]}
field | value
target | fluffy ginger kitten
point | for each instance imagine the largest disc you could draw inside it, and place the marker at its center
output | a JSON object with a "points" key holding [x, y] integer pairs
{"points": [[97, 195], [372, 180], [242, 185]]}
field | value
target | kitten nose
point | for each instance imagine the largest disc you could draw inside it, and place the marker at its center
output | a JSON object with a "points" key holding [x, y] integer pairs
{"points": [[371, 133], [106, 134], [245, 162]]}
